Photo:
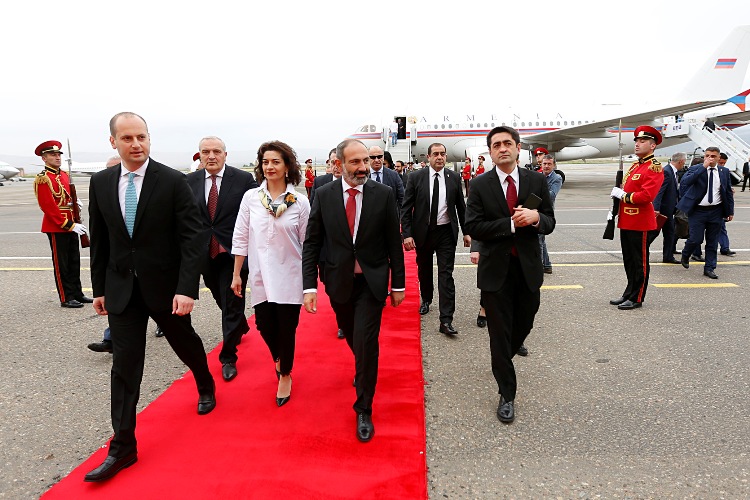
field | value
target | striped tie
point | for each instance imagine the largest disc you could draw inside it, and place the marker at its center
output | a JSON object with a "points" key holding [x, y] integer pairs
{"points": [[131, 204]]}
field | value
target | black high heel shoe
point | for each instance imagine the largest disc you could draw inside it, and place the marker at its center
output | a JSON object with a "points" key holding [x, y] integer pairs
{"points": [[282, 401]]}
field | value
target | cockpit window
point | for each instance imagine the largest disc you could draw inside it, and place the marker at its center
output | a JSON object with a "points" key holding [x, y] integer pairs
{"points": [[372, 128], [364, 128]]}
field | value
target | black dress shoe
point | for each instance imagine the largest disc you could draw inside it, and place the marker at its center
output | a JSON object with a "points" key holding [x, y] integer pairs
{"points": [[110, 467], [85, 300], [671, 261], [729, 253], [547, 270], [710, 274], [72, 304], [448, 329], [629, 304], [340, 334], [522, 351], [228, 371], [365, 429], [505, 411], [159, 332], [697, 258], [685, 261], [424, 308], [103, 346], [481, 321], [207, 402], [617, 302]]}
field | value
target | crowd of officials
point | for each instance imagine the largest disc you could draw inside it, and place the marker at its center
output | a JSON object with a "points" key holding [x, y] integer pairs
{"points": [[154, 232]]}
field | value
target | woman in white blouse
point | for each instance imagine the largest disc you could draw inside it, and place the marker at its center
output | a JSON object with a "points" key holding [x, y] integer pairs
{"points": [[270, 230]]}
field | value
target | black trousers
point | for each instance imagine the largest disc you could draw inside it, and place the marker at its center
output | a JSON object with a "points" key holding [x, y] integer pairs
{"points": [[635, 254], [66, 262], [439, 241], [510, 317], [218, 279], [128, 331], [744, 180], [277, 324], [359, 318]]}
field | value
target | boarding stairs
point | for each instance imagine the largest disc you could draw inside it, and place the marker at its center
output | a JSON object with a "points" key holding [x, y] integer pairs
{"points": [[402, 149], [727, 141]]}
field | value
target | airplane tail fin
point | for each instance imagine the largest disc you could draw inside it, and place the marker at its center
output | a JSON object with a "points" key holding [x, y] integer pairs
{"points": [[739, 100], [724, 72]]}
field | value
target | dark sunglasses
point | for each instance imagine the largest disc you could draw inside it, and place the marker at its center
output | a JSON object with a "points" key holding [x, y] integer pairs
{"points": [[375, 157]]}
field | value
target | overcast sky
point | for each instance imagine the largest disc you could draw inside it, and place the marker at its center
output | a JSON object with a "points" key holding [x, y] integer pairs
{"points": [[309, 73]]}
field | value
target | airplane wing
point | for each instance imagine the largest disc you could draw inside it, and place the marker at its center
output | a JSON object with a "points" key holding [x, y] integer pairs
{"points": [[556, 140], [740, 116]]}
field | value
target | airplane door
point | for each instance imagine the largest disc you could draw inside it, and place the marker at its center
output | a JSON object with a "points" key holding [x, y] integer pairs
{"points": [[401, 120]]}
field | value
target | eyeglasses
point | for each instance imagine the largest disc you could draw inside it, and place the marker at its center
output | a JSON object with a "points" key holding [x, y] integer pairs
{"points": [[375, 157]]}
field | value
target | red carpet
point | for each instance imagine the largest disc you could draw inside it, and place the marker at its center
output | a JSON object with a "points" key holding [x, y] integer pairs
{"points": [[249, 448]]}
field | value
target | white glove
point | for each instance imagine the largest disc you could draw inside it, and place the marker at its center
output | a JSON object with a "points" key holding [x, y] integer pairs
{"points": [[80, 229], [80, 205], [617, 193], [610, 216]]}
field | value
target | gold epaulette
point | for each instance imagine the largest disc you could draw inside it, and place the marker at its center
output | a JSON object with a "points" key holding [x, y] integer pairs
{"points": [[655, 166], [41, 178]]}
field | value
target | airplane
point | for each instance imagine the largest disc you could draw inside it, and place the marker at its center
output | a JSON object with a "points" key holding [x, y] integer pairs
{"points": [[7, 172], [581, 134]]}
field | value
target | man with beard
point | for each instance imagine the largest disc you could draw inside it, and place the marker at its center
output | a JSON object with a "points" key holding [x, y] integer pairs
{"points": [[361, 256]]}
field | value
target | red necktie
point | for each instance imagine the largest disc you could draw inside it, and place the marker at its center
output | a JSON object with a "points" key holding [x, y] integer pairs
{"points": [[213, 199], [511, 197], [351, 208]]}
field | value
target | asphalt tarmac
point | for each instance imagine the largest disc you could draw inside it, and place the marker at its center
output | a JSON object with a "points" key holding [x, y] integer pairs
{"points": [[649, 403]]}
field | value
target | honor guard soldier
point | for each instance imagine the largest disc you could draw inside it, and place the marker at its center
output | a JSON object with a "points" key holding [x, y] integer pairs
{"points": [[636, 216], [538, 154], [52, 189]]}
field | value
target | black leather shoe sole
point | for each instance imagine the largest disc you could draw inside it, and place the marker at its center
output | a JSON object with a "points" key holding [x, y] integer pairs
{"points": [[86, 300], [673, 261], [110, 467], [729, 253], [228, 371], [685, 262], [627, 305], [710, 274], [522, 351], [617, 302], [448, 329], [71, 304], [697, 259], [101, 346]]}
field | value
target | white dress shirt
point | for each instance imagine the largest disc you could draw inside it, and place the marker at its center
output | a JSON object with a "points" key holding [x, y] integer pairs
{"points": [[442, 212], [504, 185], [373, 174], [717, 189], [218, 182], [273, 246], [122, 186]]}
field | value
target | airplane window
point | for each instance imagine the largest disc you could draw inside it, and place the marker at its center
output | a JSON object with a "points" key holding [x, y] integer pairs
{"points": [[587, 121], [537, 124], [450, 125], [485, 124], [558, 123], [471, 125], [544, 124], [523, 124], [565, 122], [492, 124], [515, 124], [372, 128], [503, 124], [579, 122], [442, 125]]}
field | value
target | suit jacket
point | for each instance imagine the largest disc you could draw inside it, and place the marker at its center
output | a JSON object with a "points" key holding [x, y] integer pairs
{"points": [[234, 184], [746, 168], [377, 249], [391, 178], [554, 184], [694, 185], [415, 218], [666, 199], [320, 180], [488, 220], [163, 252]]}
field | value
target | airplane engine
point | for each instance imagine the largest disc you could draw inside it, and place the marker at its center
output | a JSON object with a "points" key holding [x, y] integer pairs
{"points": [[458, 150]]}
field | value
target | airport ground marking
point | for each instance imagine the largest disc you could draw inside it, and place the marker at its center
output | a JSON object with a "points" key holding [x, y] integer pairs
{"points": [[694, 285]]}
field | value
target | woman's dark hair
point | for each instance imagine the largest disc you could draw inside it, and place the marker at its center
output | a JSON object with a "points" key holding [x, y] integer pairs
{"points": [[293, 174], [388, 159]]}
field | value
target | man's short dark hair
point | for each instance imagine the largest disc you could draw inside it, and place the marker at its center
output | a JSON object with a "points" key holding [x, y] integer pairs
{"points": [[294, 171], [429, 148], [500, 129], [712, 148], [343, 145], [549, 157], [723, 156], [128, 114]]}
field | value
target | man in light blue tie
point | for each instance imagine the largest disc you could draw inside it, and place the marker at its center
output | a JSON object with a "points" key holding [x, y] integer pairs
{"points": [[385, 175], [145, 259], [706, 197]]}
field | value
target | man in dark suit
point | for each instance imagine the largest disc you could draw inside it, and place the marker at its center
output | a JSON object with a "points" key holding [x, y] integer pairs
{"points": [[386, 175], [665, 204], [432, 211], [510, 265], [322, 180], [356, 218], [218, 191], [706, 197], [745, 174], [144, 263]]}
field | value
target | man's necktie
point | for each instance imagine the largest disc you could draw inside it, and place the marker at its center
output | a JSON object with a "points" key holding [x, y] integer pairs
{"points": [[131, 204], [511, 196], [213, 199], [711, 185], [435, 200], [377, 175], [351, 208]]}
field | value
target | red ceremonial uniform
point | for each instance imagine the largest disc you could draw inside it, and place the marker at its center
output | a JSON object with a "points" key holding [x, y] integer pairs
{"points": [[480, 170], [309, 178], [466, 172], [641, 184], [52, 189]]}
